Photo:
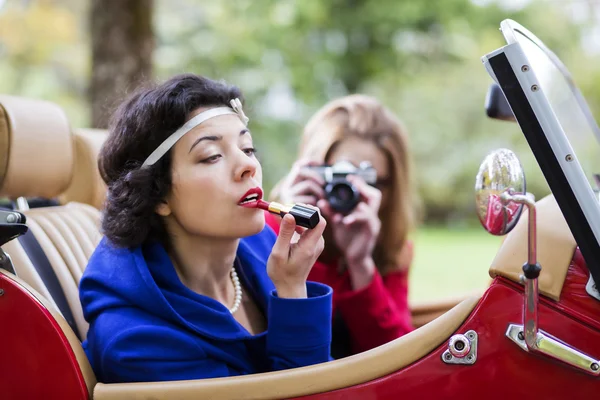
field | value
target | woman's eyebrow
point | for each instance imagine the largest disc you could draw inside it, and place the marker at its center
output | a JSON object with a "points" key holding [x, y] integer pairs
{"points": [[214, 138], [211, 138]]}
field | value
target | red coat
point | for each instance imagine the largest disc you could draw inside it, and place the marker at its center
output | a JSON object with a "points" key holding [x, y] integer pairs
{"points": [[373, 315]]}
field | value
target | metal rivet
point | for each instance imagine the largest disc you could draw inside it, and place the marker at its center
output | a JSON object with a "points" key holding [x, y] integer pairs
{"points": [[525, 68], [1, 292], [469, 357], [471, 336], [448, 356], [594, 366], [520, 335], [569, 157], [535, 88], [11, 218]]}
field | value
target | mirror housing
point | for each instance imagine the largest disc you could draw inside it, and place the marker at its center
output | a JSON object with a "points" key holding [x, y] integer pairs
{"points": [[496, 105]]}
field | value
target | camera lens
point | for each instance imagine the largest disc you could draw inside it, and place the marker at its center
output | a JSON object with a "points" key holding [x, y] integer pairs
{"points": [[342, 196]]}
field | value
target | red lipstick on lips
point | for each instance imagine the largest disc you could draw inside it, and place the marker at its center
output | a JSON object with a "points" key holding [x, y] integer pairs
{"points": [[250, 199], [306, 217]]}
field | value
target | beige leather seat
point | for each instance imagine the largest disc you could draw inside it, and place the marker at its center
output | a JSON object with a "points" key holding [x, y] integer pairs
{"points": [[87, 186], [555, 248], [37, 160]]}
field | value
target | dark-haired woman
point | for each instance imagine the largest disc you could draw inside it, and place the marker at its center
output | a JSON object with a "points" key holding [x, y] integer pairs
{"points": [[172, 292]]}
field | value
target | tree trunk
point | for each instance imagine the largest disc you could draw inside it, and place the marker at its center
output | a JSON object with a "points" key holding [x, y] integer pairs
{"points": [[122, 45]]}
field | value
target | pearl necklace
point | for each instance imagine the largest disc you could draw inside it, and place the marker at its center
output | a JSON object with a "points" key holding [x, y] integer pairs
{"points": [[238, 291]]}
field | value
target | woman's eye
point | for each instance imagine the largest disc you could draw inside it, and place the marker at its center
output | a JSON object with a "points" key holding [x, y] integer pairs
{"points": [[211, 159], [250, 151]]}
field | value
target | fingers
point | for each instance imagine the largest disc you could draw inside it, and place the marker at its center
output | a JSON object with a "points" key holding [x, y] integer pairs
{"points": [[309, 174], [303, 185], [337, 218], [306, 188], [370, 194], [310, 236], [297, 235], [281, 248], [300, 172], [312, 243], [325, 208], [362, 214], [333, 216]]}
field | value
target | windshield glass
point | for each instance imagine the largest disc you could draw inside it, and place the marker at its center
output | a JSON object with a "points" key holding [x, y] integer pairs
{"points": [[568, 105]]}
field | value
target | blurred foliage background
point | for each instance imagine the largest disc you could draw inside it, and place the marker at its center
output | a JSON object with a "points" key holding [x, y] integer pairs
{"points": [[421, 58]]}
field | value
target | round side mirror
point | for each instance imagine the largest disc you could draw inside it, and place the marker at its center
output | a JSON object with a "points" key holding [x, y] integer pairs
{"points": [[499, 172]]}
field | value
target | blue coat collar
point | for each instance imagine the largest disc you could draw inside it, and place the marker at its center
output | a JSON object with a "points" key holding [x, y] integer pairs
{"points": [[197, 312], [144, 278]]}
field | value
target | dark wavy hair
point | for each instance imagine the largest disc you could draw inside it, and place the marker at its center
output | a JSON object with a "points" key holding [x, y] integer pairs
{"points": [[137, 128]]}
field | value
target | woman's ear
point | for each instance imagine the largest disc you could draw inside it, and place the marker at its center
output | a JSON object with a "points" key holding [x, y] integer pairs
{"points": [[163, 209]]}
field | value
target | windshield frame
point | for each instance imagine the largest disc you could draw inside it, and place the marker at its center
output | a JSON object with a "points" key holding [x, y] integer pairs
{"points": [[510, 27], [510, 68]]}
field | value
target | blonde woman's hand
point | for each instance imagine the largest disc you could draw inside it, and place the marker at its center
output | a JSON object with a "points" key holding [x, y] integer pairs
{"points": [[356, 233], [302, 185], [293, 256]]}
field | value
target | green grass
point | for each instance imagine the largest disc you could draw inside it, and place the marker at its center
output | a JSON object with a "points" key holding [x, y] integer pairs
{"points": [[450, 262]]}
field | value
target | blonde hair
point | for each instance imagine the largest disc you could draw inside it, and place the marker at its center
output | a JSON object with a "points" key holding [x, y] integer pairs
{"points": [[365, 117]]}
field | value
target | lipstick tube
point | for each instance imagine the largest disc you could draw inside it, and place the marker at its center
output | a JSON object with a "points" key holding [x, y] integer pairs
{"points": [[306, 217]]}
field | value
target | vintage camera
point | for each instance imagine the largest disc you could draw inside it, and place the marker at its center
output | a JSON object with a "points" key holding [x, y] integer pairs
{"points": [[341, 194]]}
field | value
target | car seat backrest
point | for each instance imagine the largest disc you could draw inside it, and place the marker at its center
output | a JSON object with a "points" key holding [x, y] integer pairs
{"points": [[36, 158], [36, 144], [87, 186]]}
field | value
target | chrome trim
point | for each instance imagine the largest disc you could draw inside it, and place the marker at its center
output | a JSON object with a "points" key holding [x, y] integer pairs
{"points": [[529, 200], [459, 346], [530, 307], [463, 359], [6, 262], [22, 204], [530, 312], [547, 345], [11, 217], [592, 289]]}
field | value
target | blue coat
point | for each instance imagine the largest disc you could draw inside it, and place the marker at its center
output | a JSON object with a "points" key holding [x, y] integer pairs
{"points": [[145, 325]]}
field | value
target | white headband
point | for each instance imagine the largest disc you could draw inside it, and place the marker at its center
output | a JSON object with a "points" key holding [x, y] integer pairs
{"points": [[164, 147]]}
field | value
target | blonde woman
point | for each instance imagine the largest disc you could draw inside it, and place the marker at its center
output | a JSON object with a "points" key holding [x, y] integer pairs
{"points": [[367, 254]]}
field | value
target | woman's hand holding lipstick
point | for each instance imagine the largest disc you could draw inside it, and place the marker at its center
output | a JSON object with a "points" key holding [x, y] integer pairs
{"points": [[290, 263]]}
